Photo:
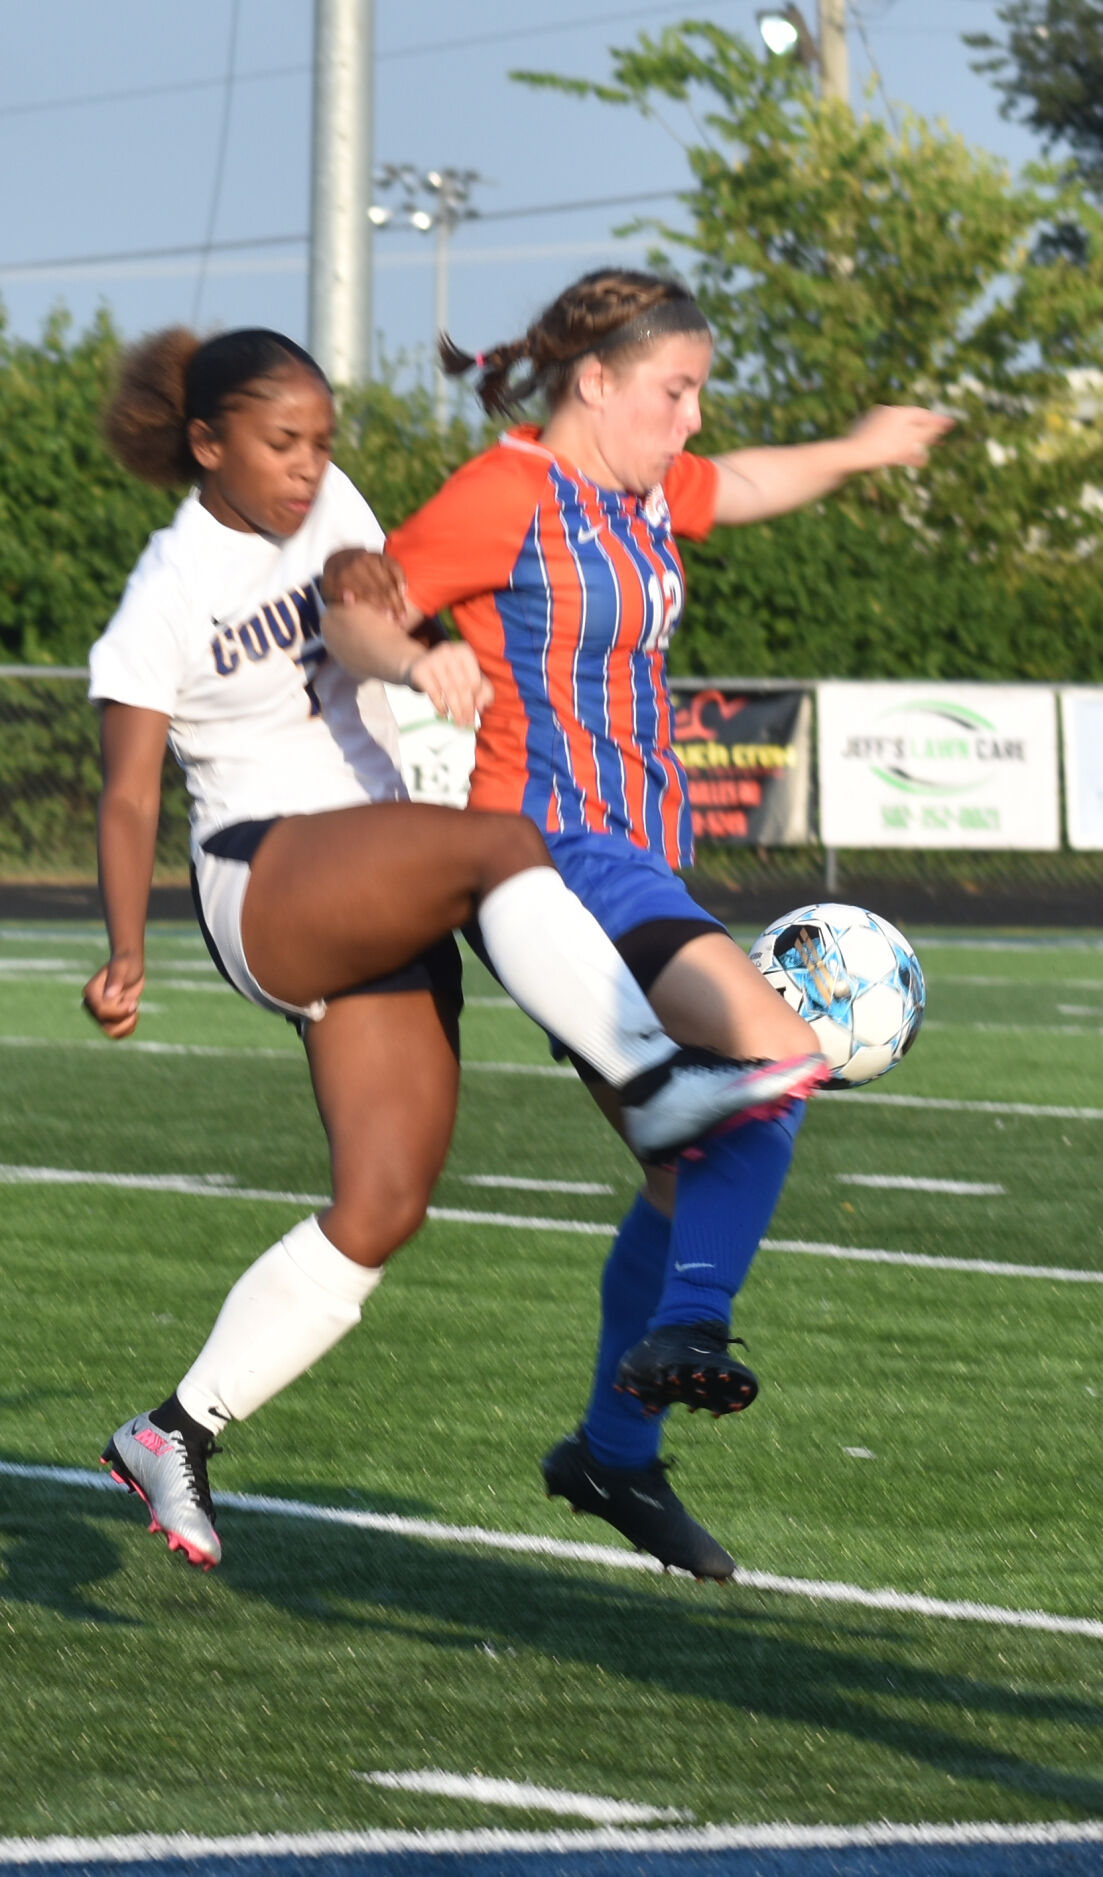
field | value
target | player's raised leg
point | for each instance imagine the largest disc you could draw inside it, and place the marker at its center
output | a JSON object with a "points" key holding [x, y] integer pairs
{"points": [[341, 897]]}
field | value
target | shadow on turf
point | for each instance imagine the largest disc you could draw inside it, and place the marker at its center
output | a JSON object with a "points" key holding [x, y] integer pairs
{"points": [[669, 1637], [672, 1638], [51, 1556]]}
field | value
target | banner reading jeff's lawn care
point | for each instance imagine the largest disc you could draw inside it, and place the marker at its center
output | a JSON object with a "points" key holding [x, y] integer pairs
{"points": [[937, 765], [747, 757]]}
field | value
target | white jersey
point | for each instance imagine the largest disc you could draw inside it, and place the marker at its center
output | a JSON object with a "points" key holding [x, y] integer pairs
{"points": [[219, 631]]}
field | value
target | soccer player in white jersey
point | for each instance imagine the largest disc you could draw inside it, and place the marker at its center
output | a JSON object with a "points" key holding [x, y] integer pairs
{"points": [[323, 893]]}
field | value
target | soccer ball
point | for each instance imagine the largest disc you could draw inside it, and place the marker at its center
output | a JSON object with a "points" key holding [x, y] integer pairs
{"points": [[854, 978]]}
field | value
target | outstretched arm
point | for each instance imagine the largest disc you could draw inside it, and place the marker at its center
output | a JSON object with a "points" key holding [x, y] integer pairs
{"points": [[758, 484], [132, 743]]}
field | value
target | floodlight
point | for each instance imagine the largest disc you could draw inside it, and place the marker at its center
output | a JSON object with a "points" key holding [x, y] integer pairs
{"points": [[379, 216], [786, 33], [421, 219]]}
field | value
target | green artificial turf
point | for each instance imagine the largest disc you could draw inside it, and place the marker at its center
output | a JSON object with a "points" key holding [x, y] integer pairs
{"points": [[931, 1431]]}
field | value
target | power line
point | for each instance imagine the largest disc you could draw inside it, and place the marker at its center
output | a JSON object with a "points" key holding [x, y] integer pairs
{"points": [[266, 74], [220, 163], [564, 208], [136, 92], [280, 241]]}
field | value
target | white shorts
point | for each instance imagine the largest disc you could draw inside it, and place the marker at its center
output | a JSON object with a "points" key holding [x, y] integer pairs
{"points": [[219, 881], [220, 875]]}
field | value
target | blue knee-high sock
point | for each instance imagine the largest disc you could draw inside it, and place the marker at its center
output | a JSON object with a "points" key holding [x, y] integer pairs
{"points": [[724, 1203], [618, 1431]]}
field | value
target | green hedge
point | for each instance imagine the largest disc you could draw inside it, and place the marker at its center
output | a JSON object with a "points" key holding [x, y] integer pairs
{"points": [[49, 785]]}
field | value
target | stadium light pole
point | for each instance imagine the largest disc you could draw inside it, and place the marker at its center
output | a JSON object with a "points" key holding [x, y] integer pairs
{"points": [[448, 191], [340, 307], [786, 34]]}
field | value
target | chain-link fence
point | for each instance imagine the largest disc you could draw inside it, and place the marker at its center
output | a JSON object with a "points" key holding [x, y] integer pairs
{"points": [[49, 781]]}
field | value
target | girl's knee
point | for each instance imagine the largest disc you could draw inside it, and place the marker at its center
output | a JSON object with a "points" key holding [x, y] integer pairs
{"points": [[514, 844], [370, 1220]]}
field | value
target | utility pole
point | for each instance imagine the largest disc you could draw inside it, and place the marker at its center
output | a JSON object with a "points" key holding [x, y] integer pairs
{"points": [[340, 314], [834, 64]]}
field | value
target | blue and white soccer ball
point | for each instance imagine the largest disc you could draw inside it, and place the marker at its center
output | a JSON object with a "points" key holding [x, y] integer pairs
{"points": [[854, 978]]}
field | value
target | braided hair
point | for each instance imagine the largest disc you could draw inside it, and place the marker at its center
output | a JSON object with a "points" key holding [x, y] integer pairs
{"points": [[612, 312]]}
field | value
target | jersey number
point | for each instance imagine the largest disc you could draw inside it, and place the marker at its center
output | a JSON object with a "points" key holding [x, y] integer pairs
{"points": [[665, 607], [308, 661]]}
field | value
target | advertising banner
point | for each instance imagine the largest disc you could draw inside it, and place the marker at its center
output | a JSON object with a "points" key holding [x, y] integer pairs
{"points": [[938, 765], [1082, 728], [747, 756], [436, 756]]}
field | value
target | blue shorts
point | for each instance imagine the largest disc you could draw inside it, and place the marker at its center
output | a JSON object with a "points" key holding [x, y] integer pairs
{"points": [[624, 886], [645, 907], [636, 897]]}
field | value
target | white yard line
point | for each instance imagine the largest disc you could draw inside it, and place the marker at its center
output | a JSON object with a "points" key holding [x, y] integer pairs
{"points": [[221, 1186], [153, 982], [1038, 942], [949, 1104], [195, 1185], [816, 1590], [1028, 1110], [37, 966], [516, 1183], [970, 978], [921, 1261], [959, 1026], [135, 1047], [905, 1183], [485, 1791], [150, 1849]]}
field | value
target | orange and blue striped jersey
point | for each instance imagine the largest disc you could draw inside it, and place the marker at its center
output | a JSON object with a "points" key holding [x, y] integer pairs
{"points": [[567, 593]]}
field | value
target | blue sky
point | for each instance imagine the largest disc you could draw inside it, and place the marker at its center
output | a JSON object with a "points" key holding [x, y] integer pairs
{"points": [[110, 128]]}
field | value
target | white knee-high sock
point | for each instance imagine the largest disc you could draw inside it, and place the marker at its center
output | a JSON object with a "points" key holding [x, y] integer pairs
{"points": [[299, 1298], [557, 963]]}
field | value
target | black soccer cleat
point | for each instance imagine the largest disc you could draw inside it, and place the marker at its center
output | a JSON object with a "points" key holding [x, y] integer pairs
{"points": [[638, 1503], [687, 1362]]}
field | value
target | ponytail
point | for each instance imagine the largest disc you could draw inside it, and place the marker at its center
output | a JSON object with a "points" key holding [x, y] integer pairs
{"points": [[172, 379]]}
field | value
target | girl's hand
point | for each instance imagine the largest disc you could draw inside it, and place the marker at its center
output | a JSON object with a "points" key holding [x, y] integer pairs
{"points": [[897, 435], [112, 996], [375, 579], [450, 678]]}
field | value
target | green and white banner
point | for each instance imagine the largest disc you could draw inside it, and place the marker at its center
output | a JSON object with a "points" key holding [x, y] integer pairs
{"points": [[436, 756], [938, 765]]}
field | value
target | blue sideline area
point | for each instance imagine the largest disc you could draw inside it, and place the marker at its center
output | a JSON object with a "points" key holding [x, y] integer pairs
{"points": [[1067, 1859]]}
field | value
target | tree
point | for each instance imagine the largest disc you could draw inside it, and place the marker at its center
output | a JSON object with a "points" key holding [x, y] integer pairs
{"points": [[72, 522], [1049, 70], [842, 264]]}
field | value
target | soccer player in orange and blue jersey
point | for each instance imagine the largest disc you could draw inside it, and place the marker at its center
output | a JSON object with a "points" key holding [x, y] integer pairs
{"points": [[556, 552]]}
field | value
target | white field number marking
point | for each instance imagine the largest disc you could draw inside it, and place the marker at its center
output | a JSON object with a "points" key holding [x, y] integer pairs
{"points": [[532, 1798], [904, 1183]]}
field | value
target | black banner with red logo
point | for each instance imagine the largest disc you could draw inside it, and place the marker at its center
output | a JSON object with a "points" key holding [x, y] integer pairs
{"points": [[747, 755]]}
